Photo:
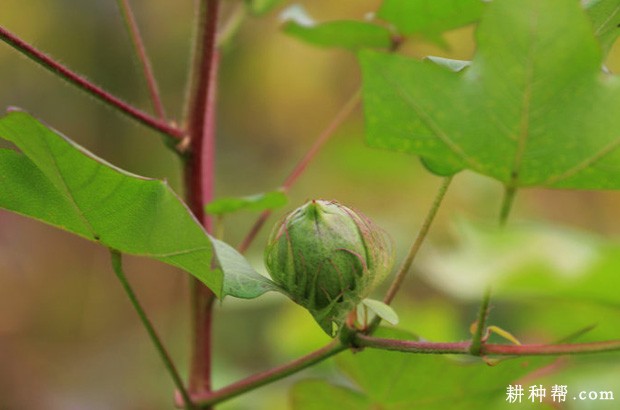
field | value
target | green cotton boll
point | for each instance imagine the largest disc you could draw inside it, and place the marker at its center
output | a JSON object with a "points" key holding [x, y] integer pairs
{"points": [[328, 258]]}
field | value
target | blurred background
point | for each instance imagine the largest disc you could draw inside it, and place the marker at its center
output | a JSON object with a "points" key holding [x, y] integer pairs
{"points": [[69, 338]]}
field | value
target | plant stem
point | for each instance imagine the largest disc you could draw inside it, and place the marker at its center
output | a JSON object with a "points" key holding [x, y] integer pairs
{"points": [[486, 349], [117, 265], [509, 198], [366, 341], [301, 166], [232, 24], [138, 44], [199, 175], [413, 251], [90, 88], [362, 340], [269, 376], [417, 244], [477, 339]]}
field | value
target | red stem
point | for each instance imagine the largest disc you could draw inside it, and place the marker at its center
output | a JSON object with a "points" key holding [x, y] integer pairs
{"points": [[149, 76], [266, 377], [199, 179], [85, 85]]}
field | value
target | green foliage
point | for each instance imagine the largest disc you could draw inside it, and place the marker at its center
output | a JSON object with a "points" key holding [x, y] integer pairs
{"points": [[605, 16], [430, 17], [60, 183], [258, 202], [518, 114], [348, 34], [240, 278], [260, 7], [380, 309], [528, 261], [393, 380], [533, 108]]}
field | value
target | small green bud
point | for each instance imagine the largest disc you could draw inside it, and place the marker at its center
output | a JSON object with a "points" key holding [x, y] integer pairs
{"points": [[328, 258]]}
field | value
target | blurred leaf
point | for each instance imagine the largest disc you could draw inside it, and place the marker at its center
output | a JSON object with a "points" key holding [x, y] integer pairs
{"points": [[260, 7], [348, 34], [430, 17], [58, 182], [319, 395], [258, 202], [530, 260], [382, 310], [544, 116], [605, 17], [396, 380]]}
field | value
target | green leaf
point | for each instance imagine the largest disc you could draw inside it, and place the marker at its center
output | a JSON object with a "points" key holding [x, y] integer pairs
{"points": [[605, 17], [395, 380], [260, 7], [240, 280], [382, 310], [430, 17], [533, 109], [258, 202], [349, 34], [60, 183]]}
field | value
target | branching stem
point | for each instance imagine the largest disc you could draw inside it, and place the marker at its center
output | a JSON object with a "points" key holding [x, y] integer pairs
{"points": [[90, 88], [260, 379]]}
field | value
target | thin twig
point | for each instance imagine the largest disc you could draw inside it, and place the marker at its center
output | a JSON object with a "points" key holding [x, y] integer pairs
{"points": [[413, 251], [301, 166], [87, 86], [117, 265], [138, 44], [419, 240]]}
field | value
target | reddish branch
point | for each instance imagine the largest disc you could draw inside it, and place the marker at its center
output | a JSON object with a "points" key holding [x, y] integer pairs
{"points": [[364, 341], [87, 86], [136, 39], [486, 349]]}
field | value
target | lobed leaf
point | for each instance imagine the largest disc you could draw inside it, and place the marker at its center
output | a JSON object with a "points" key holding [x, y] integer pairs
{"points": [[533, 109]]}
